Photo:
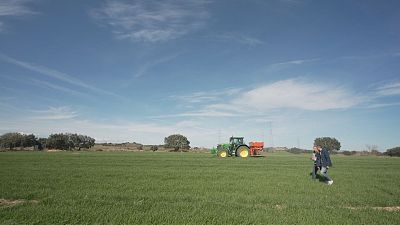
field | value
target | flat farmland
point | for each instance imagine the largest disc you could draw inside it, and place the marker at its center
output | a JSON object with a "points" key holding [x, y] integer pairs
{"points": [[194, 188]]}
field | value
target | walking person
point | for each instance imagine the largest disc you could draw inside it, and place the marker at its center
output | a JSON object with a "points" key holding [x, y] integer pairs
{"points": [[315, 167], [324, 162]]}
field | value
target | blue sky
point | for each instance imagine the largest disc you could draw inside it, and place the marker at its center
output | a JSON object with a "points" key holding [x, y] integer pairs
{"points": [[281, 71]]}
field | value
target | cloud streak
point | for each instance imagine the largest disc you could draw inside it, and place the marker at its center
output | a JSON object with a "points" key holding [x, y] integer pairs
{"points": [[389, 89], [55, 113], [143, 70], [206, 97], [14, 8], [238, 38], [55, 75], [59, 88], [152, 21], [292, 62]]}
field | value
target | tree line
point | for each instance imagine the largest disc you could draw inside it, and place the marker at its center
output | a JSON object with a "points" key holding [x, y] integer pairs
{"points": [[333, 146], [62, 141], [69, 141]]}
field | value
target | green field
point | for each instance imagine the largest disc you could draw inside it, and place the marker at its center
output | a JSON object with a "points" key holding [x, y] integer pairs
{"points": [[194, 188]]}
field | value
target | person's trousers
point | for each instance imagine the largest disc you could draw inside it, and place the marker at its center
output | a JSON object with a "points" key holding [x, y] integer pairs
{"points": [[314, 172], [324, 172]]}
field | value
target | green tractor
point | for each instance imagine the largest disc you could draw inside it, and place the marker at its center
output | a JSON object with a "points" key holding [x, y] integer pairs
{"points": [[235, 147]]}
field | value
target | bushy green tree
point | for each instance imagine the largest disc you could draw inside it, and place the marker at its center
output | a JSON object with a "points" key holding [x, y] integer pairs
{"points": [[14, 140], [28, 140], [328, 143], [42, 143], [69, 141], [393, 151], [58, 141], [176, 141], [154, 148]]}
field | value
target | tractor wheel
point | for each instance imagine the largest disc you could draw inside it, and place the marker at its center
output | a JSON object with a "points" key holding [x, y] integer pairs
{"points": [[222, 153], [242, 151]]}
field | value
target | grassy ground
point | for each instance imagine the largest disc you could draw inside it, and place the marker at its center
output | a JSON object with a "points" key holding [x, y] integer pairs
{"points": [[188, 188]]}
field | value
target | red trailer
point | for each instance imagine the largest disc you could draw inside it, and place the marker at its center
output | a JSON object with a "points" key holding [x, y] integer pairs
{"points": [[256, 147]]}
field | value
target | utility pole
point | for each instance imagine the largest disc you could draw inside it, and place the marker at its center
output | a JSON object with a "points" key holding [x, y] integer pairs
{"points": [[263, 134], [271, 134], [298, 142]]}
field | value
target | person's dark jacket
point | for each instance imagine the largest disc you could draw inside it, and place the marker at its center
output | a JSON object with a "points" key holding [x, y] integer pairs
{"points": [[323, 158]]}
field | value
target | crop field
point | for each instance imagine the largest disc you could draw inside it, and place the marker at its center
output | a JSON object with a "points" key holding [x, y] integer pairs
{"points": [[194, 188]]}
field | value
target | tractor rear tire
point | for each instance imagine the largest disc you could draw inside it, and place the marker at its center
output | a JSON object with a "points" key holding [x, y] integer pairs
{"points": [[222, 153], [243, 151]]}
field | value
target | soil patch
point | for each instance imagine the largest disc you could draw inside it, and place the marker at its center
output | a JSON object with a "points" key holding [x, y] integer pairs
{"points": [[14, 202], [52, 150], [388, 208], [280, 207]]}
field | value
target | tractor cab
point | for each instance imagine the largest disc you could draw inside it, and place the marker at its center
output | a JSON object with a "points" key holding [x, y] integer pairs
{"points": [[236, 141]]}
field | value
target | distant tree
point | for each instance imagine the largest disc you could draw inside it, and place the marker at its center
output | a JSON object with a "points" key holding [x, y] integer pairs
{"points": [[177, 141], [328, 143], [69, 141], [14, 140], [28, 140], [7, 141], [41, 143], [154, 148], [57, 141], [295, 150], [347, 153], [393, 152]]}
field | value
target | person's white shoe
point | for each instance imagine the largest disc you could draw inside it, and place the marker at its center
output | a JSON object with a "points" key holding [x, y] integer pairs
{"points": [[330, 182]]}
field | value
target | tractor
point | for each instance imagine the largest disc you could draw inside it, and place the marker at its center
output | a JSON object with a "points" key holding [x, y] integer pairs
{"points": [[236, 147]]}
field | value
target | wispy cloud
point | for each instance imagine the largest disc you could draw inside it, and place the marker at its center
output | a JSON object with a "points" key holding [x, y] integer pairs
{"points": [[152, 21], [370, 56], [55, 113], [149, 65], [55, 75], [294, 94], [383, 105], [45, 71], [14, 8], [300, 94], [201, 113], [207, 97], [293, 62], [237, 38], [59, 88], [389, 89]]}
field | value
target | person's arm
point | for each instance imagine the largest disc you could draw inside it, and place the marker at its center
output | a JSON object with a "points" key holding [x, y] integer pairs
{"points": [[328, 158], [313, 158]]}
